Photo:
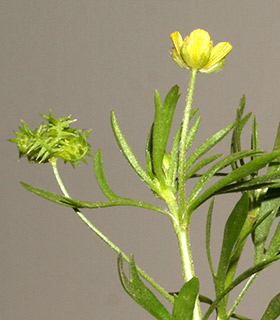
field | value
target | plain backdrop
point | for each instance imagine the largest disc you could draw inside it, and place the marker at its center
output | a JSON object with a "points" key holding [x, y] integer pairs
{"points": [[86, 58]]}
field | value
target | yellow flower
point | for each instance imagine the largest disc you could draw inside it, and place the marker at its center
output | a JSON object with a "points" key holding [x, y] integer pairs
{"points": [[196, 51]]}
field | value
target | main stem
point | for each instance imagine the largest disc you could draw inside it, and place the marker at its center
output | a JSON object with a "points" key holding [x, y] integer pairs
{"points": [[182, 228], [161, 290]]}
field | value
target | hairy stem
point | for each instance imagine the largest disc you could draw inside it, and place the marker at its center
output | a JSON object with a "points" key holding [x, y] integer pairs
{"points": [[183, 142]]}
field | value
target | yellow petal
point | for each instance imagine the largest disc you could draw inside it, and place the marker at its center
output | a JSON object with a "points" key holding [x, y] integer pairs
{"points": [[218, 53], [178, 60], [216, 67], [196, 49], [177, 40]]}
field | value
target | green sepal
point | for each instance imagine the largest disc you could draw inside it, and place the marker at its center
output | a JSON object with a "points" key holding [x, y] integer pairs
{"points": [[272, 311], [70, 202], [137, 290], [161, 129], [207, 145], [245, 275], [184, 303], [235, 175], [232, 231], [129, 155]]}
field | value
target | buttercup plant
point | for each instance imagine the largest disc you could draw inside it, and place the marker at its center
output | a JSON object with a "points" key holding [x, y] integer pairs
{"points": [[167, 174]]}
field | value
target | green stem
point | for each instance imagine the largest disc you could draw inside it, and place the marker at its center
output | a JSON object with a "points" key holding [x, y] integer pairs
{"points": [[161, 290], [185, 252], [187, 263], [183, 142], [182, 229]]}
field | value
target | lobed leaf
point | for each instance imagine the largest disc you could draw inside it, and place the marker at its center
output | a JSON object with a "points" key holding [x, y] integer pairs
{"points": [[184, 303], [161, 128], [70, 202], [129, 155], [140, 293], [272, 311], [232, 231], [100, 177]]}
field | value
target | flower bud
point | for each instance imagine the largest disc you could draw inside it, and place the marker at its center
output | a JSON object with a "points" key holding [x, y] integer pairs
{"points": [[54, 139]]}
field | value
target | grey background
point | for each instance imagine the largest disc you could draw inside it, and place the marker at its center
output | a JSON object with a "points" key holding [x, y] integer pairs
{"points": [[86, 58]]}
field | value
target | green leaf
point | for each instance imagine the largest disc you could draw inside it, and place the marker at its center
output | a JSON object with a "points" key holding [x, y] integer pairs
{"points": [[148, 152], [129, 155], [192, 133], [236, 134], [251, 230], [273, 204], [207, 145], [235, 175], [47, 195], [245, 275], [266, 180], [255, 145], [239, 317], [161, 128], [174, 160], [274, 245], [262, 231], [277, 139], [218, 166], [100, 177], [272, 312], [140, 293], [201, 164], [70, 202], [232, 231], [208, 237], [185, 302]]}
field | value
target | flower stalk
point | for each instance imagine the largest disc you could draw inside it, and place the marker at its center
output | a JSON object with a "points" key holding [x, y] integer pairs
{"points": [[183, 143], [112, 245]]}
